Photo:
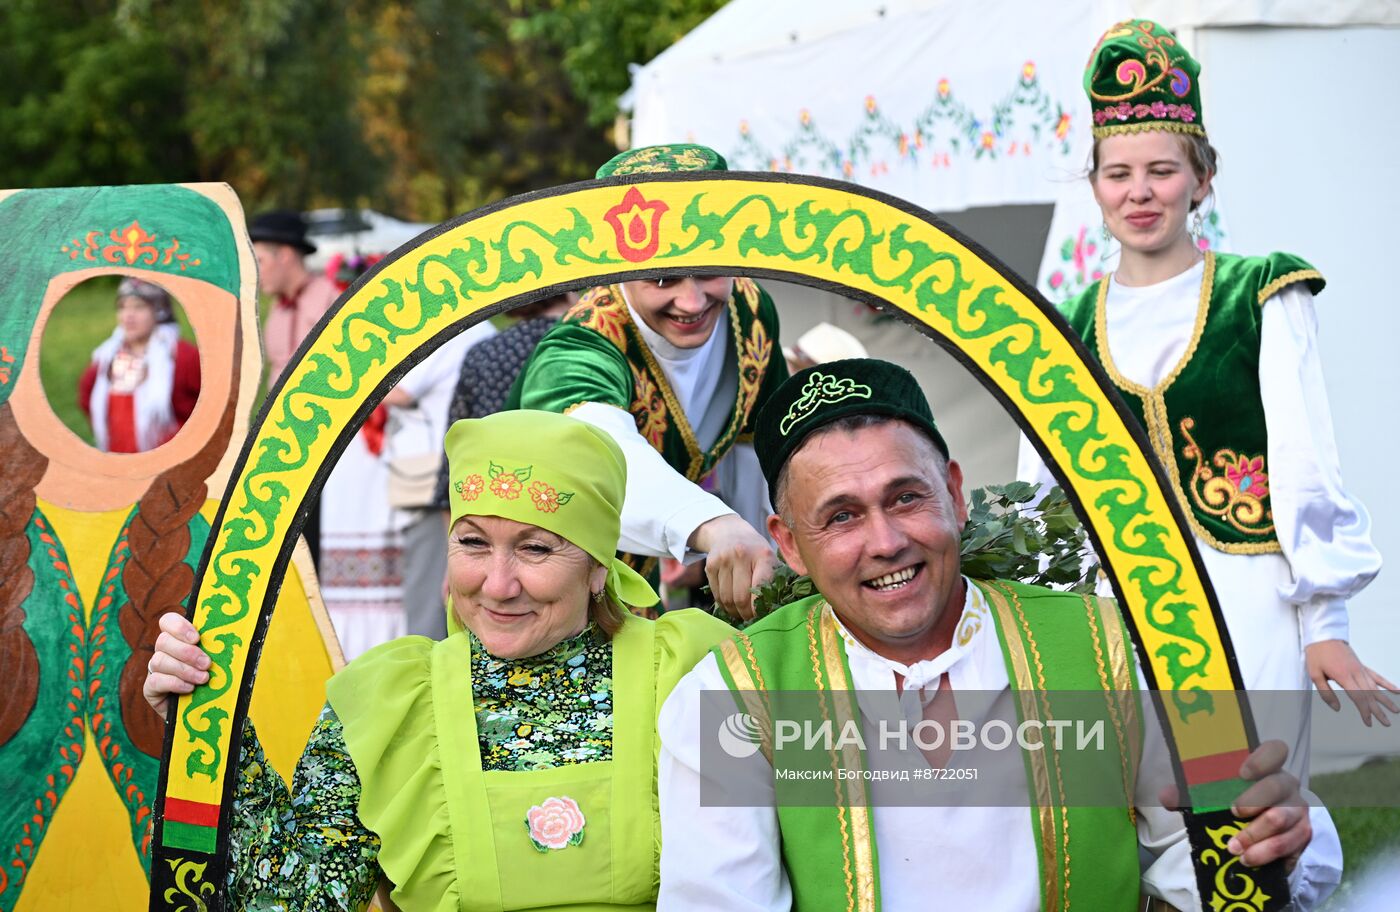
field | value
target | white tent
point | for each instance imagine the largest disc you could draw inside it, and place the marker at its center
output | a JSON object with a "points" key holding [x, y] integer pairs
{"points": [[974, 111]]}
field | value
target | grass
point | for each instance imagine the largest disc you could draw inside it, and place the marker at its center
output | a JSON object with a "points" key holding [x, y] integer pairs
{"points": [[1370, 834]]}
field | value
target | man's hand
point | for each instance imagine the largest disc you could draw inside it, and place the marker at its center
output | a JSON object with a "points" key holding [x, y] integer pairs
{"points": [[177, 665], [1335, 660], [738, 560], [1279, 826]]}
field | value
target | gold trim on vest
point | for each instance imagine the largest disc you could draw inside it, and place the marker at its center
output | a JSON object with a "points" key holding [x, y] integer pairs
{"points": [[1119, 710], [1154, 405], [1030, 692], [861, 893], [751, 692]]}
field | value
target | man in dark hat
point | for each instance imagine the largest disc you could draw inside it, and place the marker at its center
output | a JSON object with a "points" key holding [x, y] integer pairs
{"points": [[870, 506], [300, 298], [675, 370], [299, 301]]}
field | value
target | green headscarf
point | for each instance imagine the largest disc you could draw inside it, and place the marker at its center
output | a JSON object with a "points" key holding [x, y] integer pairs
{"points": [[552, 471]]}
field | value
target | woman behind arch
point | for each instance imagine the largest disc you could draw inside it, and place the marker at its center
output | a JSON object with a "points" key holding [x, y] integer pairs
{"points": [[513, 764], [1216, 356]]}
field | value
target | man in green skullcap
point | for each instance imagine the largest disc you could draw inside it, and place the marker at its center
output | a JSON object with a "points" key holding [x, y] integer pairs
{"points": [[870, 506], [674, 369]]}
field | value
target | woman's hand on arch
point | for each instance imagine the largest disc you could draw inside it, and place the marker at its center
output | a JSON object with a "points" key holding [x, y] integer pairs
{"points": [[177, 665]]}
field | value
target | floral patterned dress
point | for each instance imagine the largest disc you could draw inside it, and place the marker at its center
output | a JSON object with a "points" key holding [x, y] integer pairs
{"points": [[305, 848]]}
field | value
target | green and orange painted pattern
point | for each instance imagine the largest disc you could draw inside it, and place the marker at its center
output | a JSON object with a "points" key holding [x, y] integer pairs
{"points": [[26, 832], [111, 741], [86, 705], [835, 234]]}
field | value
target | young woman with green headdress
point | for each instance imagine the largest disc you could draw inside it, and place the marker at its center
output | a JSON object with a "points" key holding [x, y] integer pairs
{"points": [[544, 794], [1216, 355]]}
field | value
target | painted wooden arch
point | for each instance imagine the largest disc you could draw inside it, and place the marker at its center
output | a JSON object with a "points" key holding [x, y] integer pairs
{"points": [[811, 231]]}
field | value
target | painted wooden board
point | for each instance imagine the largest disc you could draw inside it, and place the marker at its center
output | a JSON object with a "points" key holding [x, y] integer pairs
{"points": [[95, 546]]}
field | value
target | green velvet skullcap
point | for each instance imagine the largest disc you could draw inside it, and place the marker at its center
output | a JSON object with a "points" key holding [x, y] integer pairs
{"points": [[811, 399], [548, 470], [656, 159], [1139, 78]]}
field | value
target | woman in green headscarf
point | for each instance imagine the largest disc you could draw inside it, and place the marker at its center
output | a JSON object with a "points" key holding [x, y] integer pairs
{"points": [[544, 795]]}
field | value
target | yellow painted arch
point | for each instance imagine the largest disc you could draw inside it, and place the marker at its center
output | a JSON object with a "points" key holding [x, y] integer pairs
{"points": [[812, 231]]}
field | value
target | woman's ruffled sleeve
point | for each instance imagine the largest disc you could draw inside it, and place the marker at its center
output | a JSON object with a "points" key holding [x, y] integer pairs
{"points": [[1324, 531], [385, 699], [301, 849]]}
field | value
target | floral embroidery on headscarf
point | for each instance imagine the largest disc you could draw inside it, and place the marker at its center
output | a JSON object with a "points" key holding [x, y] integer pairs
{"points": [[507, 485], [470, 488]]}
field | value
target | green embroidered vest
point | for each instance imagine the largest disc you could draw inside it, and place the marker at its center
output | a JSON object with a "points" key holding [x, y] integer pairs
{"points": [[1051, 641], [583, 837], [597, 354], [1205, 420]]}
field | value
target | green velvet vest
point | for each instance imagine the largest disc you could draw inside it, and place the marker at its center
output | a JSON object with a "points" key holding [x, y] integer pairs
{"points": [[1051, 641], [1205, 419], [597, 354]]}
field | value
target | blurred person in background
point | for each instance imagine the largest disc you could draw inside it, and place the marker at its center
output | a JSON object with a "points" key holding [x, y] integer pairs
{"points": [[143, 382], [299, 299]]}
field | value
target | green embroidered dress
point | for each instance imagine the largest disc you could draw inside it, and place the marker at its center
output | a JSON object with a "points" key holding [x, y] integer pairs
{"points": [[542, 797]]}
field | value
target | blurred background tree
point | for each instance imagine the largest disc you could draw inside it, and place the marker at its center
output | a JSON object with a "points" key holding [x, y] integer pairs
{"points": [[420, 108]]}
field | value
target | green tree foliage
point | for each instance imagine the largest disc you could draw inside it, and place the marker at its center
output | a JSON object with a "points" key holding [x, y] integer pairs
{"points": [[600, 38], [423, 108]]}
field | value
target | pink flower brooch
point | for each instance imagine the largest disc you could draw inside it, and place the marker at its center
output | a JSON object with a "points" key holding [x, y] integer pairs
{"points": [[556, 823]]}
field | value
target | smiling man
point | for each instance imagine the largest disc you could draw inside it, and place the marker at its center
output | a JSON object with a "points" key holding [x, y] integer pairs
{"points": [[870, 506], [674, 369]]}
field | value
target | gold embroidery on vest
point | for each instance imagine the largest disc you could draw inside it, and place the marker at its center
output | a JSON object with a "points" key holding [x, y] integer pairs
{"points": [[861, 835], [678, 415], [1288, 278], [746, 289], [826, 720], [753, 357], [753, 694], [648, 408], [1031, 693], [608, 318], [1240, 497], [1111, 697], [1154, 407]]}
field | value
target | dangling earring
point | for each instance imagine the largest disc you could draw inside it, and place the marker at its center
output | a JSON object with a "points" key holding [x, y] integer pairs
{"points": [[1198, 224], [598, 597], [1107, 235]]}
